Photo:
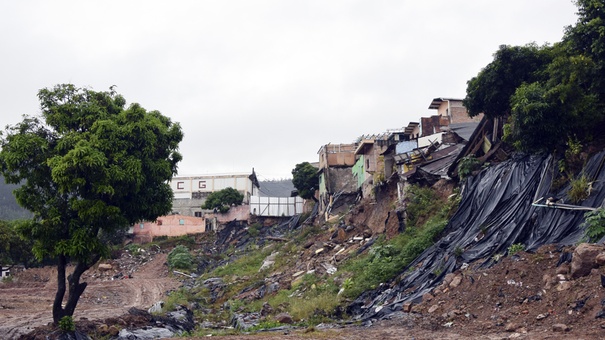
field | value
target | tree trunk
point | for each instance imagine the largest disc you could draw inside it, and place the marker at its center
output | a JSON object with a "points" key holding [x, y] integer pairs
{"points": [[76, 288], [58, 311]]}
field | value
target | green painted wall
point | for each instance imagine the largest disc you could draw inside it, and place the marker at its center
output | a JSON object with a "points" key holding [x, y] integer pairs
{"points": [[359, 171]]}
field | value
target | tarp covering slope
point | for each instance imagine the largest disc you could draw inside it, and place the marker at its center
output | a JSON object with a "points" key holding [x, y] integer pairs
{"points": [[495, 212]]}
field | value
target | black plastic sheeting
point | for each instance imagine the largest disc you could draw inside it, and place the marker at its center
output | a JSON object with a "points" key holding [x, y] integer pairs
{"points": [[495, 212], [235, 233]]}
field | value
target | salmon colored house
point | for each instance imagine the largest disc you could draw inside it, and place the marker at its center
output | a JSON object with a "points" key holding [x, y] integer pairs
{"points": [[171, 225]]}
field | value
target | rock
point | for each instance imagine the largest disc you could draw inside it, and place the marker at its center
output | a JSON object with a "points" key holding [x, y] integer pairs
{"points": [[330, 269], [427, 297], [268, 262], [565, 285], [341, 236], [583, 259], [156, 308], [113, 330], [456, 281], [105, 267], [510, 327], [448, 278], [542, 316], [319, 251], [266, 309], [560, 327], [433, 308], [407, 307], [150, 333], [563, 269], [600, 259], [284, 318]]}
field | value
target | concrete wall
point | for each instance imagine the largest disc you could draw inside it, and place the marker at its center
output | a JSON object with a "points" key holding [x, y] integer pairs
{"points": [[171, 225], [426, 141], [188, 187], [239, 212], [337, 155]]}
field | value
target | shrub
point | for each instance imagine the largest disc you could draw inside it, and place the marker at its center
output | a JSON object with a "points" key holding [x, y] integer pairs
{"points": [[515, 248], [467, 165], [579, 189], [421, 204], [66, 324], [254, 229], [595, 224], [180, 258]]}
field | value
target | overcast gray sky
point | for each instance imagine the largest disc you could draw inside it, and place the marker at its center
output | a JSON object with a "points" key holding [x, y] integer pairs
{"points": [[265, 84]]}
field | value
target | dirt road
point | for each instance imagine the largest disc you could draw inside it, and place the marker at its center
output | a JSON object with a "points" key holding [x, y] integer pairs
{"points": [[26, 302]]}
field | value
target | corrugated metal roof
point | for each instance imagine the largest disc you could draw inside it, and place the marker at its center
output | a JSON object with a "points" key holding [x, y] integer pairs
{"points": [[442, 159], [282, 188], [464, 130]]}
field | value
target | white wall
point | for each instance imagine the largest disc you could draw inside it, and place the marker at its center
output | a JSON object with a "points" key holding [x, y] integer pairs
{"points": [[276, 206]]}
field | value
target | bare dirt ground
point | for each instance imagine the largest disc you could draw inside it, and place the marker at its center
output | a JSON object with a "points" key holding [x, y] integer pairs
{"points": [[26, 302], [526, 296]]}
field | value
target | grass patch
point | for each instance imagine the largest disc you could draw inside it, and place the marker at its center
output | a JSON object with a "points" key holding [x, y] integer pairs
{"points": [[178, 297], [387, 259], [243, 266], [579, 189]]}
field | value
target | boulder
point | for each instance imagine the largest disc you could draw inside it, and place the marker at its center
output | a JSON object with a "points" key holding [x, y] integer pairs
{"points": [[560, 327], [583, 260], [284, 318]]}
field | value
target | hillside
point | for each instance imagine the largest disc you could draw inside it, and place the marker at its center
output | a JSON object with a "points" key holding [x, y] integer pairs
{"points": [[486, 262], [9, 208]]}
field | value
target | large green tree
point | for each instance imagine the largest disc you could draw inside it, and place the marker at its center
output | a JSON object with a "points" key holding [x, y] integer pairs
{"points": [[306, 180], [490, 91], [551, 94], [89, 167], [223, 199]]}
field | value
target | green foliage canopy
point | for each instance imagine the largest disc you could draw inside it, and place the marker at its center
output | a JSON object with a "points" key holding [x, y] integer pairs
{"points": [[223, 199], [553, 93], [490, 91], [306, 180], [89, 167], [14, 249]]}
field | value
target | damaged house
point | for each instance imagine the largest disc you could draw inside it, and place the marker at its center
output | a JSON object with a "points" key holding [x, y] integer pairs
{"points": [[442, 139], [336, 178]]}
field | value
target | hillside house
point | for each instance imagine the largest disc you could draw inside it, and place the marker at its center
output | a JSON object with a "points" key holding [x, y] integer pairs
{"points": [[170, 225], [190, 192], [453, 111], [335, 173]]}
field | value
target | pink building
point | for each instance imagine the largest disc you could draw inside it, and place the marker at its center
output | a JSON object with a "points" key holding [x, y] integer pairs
{"points": [[171, 225]]}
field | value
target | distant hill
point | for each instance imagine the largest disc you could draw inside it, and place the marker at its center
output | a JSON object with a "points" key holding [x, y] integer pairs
{"points": [[276, 188], [9, 208]]}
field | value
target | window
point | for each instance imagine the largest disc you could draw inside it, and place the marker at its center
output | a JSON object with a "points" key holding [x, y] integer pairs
{"points": [[180, 185], [202, 184], [182, 222], [197, 214], [159, 222], [141, 225]]}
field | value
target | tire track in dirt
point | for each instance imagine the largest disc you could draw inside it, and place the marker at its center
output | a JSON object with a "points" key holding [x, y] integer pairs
{"points": [[27, 302]]}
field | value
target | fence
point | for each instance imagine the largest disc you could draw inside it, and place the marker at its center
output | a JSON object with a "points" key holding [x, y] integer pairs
{"points": [[276, 206]]}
